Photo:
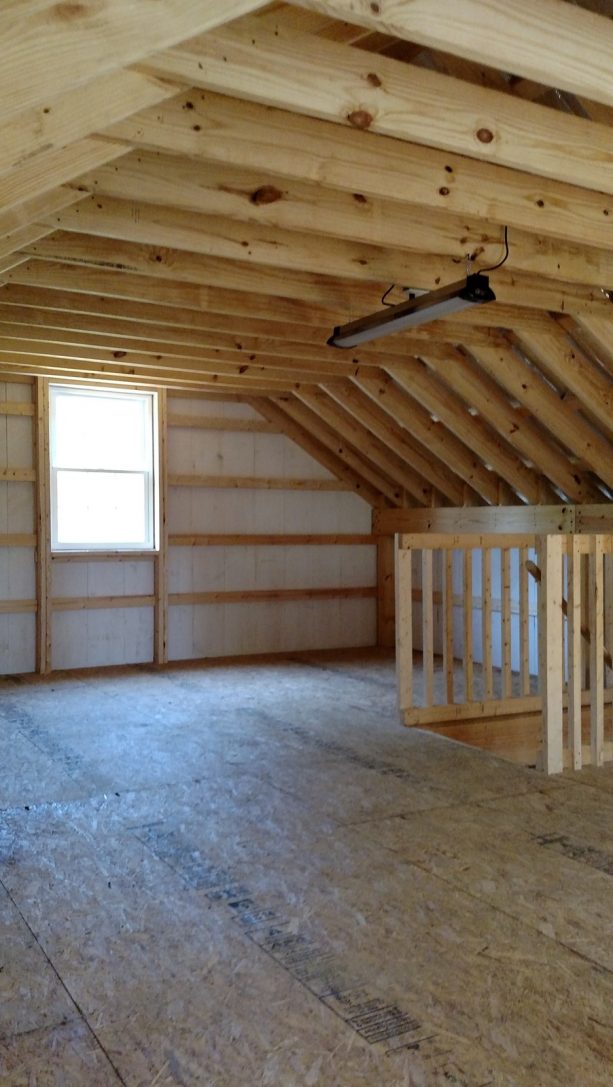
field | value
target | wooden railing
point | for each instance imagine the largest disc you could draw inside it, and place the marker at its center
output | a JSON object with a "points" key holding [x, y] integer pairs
{"points": [[508, 625]]}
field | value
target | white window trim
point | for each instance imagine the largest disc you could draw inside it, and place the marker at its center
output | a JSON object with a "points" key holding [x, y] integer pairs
{"points": [[152, 489]]}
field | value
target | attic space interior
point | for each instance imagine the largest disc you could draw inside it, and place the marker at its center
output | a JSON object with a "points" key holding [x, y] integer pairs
{"points": [[306, 543]]}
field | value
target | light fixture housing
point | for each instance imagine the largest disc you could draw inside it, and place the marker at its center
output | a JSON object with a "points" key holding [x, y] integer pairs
{"points": [[474, 290]]}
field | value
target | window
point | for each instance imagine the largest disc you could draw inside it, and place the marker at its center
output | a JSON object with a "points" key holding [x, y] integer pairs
{"points": [[103, 486]]}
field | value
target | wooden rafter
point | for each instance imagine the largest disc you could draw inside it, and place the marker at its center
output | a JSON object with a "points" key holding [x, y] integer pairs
{"points": [[50, 48], [241, 133], [516, 37], [320, 78]]}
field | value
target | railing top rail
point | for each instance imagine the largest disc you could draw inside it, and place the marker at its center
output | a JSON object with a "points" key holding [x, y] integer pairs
{"points": [[439, 541], [444, 541]]}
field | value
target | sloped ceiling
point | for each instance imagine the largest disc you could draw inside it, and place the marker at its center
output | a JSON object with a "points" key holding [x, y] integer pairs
{"points": [[193, 193]]}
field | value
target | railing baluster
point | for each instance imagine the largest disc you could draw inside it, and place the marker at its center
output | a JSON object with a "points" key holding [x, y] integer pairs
{"points": [[427, 625], [448, 623], [551, 651], [486, 614], [574, 651], [404, 626], [524, 621], [596, 613], [505, 562], [467, 586]]}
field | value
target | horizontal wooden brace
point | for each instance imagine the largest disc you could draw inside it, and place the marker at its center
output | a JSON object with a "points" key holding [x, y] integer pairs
{"points": [[439, 541], [471, 710], [17, 475], [493, 519], [246, 596], [270, 540], [257, 483], [17, 607], [200, 422], [15, 407], [86, 603], [17, 539]]}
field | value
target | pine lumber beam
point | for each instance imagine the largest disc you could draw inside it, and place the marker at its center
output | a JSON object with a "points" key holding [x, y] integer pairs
{"points": [[164, 262], [17, 539], [425, 452], [234, 132], [15, 407], [241, 195], [596, 333], [216, 252], [225, 364], [221, 422], [414, 378], [243, 596], [244, 349], [42, 513], [260, 483], [15, 240], [69, 117], [17, 475], [68, 45], [534, 392], [258, 243], [87, 603], [515, 37], [303, 364], [262, 539], [319, 407], [308, 75], [85, 370], [157, 295], [514, 425], [46, 171], [316, 449], [70, 310], [32, 211], [282, 346], [160, 568], [237, 313], [14, 260], [571, 369], [138, 323], [381, 479], [457, 456]]}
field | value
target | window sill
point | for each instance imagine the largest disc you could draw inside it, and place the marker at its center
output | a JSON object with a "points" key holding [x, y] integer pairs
{"points": [[95, 555]]}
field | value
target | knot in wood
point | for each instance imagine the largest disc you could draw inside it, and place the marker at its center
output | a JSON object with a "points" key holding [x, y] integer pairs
{"points": [[360, 118], [267, 194]]}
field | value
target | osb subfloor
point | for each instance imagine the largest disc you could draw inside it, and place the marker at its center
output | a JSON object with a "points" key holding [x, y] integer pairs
{"points": [[252, 875]]}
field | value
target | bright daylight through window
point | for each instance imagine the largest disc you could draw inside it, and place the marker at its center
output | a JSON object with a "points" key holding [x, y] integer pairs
{"points": [[103, 483]]}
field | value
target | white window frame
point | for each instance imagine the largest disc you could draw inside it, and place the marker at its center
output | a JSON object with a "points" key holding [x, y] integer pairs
{"points": [[151, 476]]}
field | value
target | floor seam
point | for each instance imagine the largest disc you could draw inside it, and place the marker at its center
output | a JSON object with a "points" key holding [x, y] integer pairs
{"points": [[74, 1002]]}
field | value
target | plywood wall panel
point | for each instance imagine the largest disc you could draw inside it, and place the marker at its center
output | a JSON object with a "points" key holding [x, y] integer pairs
{"points": [[102, 579], [17, 573], [86, 639], [261, 626], [17, 644]]}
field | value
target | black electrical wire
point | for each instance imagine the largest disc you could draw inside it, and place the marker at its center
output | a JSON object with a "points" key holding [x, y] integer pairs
{"points": [[387, 292], [506, 254]]}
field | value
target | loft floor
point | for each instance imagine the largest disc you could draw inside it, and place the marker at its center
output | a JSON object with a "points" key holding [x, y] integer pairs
{"points": [[252, 874]]}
